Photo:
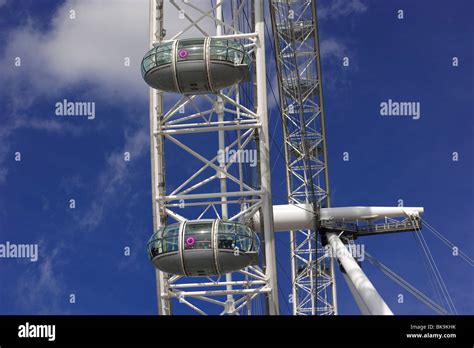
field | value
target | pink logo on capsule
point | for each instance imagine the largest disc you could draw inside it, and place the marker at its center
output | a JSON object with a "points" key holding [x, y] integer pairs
{"points": [[190, 241], [183, 53]]}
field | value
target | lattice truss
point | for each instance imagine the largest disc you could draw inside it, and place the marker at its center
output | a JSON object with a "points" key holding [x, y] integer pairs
{"points": [[186, 139], [298, 62]]}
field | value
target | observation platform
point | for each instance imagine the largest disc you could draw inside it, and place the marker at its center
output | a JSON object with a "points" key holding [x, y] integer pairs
{"points": [[369, 228]]}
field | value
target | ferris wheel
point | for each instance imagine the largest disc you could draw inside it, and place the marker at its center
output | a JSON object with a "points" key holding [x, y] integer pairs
{"points": [[215, 223]]}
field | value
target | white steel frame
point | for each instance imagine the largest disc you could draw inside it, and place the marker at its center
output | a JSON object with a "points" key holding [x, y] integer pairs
{"points": [[218, 114]]}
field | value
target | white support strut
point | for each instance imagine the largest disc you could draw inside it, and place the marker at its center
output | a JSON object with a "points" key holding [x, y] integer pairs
{"points": [[370, 299], [265, 168], [360, 303], [156, 151]]}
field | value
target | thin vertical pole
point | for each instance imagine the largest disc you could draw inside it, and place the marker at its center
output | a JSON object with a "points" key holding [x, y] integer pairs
{"points": [[262, 113], [157, 154], [323, 135], [222, 177]]}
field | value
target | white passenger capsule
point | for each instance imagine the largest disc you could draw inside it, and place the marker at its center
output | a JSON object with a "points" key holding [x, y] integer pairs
{"points": [[203, 247], [195, 66]]}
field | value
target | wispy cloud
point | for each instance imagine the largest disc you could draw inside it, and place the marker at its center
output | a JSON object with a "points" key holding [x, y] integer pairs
{"points": [[332, 48], [335, 47], [114, 178], [40, 289], [340, 8]]}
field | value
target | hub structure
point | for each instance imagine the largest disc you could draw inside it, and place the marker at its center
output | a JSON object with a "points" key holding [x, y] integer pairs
{"points": [[213, 244]]}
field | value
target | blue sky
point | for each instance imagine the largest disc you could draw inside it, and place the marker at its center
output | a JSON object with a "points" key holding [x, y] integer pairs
{"points": [[81, 250]]}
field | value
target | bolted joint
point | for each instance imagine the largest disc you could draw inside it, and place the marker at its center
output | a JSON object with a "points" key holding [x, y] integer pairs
{"points": [[219, 106]]}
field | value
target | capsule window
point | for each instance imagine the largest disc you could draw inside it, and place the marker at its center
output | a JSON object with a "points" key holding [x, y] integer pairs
{"points": [[170, 244], [228, 50], [225, 240], [155, 248], [154, 245], [198, 235], [170, 238], [148, 62], [235, 56], [219, 53], [163, 57], [165, 46], [235, 236], [165, 240], [244, 239], [234, 44], [171, 230], [191, 50]]}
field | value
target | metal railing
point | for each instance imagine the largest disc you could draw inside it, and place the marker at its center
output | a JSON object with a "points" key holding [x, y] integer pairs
{"points": [[371, 228]]}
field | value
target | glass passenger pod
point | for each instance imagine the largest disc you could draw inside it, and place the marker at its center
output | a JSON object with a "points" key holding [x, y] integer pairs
{"points": [[195, 66], [203, 247]]}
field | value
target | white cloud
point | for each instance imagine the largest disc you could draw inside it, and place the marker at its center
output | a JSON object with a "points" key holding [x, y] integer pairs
{"points": [[340, 8], [90, 48], [332, 48]]}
